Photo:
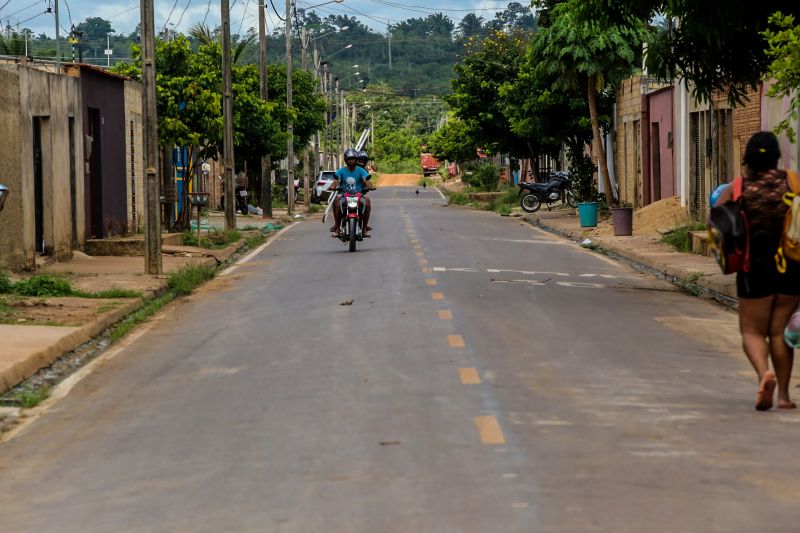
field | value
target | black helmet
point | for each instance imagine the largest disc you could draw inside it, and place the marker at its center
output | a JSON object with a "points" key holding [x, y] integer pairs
{"points": [[350, 154], [363, 156]]}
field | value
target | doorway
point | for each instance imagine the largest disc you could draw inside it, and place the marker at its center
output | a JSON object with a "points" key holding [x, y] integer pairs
{"points": [[95, 161], [38, 185], [655, 151]]}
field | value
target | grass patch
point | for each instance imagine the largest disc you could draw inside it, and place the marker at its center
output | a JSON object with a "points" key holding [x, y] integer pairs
{"points": [[220, 238], [31, 398], [679, 237], [458, 198], [189, 277], [314, 208], [6, 286], [425, 181], [110, 294], [251, 227], [44, 286], [256, 240], [150, 308], [106, 307], [190, 238], [215, 238], [503, 210]]}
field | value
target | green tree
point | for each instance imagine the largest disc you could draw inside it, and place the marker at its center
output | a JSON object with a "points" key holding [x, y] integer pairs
{"points": [[487, 66], [591, 53], [718, 45], [784, 54], [453, 142]]}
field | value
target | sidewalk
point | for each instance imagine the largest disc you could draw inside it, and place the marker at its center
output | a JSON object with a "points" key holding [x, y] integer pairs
{"points": [[38, 331], [696, 273]]}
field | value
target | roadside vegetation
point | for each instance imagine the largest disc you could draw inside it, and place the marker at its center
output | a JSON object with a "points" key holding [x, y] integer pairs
{"points": [[48, 286], [680, 237]]}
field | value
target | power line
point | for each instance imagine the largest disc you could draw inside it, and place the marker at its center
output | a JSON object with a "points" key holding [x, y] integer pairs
{"points": [[208, 8], [182, 13], [276, 12], [170, 15]]}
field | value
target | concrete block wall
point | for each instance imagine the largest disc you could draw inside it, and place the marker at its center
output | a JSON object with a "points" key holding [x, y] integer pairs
{"points": [[134, 155], [29, 94], [13, 249]]}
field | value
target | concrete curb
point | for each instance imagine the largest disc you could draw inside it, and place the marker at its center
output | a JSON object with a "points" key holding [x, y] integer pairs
{"points": [[22, 370], [715, 286]]}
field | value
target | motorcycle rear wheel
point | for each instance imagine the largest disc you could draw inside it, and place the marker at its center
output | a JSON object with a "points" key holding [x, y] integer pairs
{"points": [[351, 227], [569, 198], [530, 203]]}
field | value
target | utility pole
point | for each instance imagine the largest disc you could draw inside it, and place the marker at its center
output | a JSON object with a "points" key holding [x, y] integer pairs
{"points": [[389, 31], [315, 66], [290, 126], [227, 117], [266, 160], [152, 194], [306, 170], [58, 39]]}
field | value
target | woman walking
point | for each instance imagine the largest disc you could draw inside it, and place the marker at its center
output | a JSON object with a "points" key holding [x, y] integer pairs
{"points": [[767, 298]]}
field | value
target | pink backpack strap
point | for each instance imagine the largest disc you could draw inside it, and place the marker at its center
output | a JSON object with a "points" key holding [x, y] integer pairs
{"points": [[738, 187]]}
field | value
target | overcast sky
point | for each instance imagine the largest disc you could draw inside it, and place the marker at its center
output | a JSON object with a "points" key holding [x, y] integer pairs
{"points": [[124, 14]]}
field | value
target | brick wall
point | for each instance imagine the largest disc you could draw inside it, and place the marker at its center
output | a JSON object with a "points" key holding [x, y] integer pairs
{"points": [[746, 123], [628, 157]]}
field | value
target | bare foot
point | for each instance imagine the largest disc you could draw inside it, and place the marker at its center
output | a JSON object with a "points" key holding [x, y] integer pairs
{"points": [[786, 404], [766, 391]]}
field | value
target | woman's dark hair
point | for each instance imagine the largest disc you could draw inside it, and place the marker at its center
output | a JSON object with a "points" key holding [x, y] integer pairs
{"points": [[762, 152]]}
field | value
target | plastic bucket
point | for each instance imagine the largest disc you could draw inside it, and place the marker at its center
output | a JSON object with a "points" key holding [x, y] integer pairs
{"points": [[622, 219], [588, 214]]}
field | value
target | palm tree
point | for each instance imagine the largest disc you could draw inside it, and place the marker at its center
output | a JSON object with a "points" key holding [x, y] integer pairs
{"points": [[471, 26], [204, 35]]}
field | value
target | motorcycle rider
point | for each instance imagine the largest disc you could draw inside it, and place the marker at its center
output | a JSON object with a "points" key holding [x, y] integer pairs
{"points": [[352, 179], [362, 159]]}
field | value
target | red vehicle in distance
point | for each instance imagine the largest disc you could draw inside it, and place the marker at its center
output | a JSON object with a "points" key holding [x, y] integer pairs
{"points": [[430, 165]]}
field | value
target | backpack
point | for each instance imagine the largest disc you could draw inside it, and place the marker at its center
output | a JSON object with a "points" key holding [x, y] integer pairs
{"points": [[729, 233], [790, 239]]}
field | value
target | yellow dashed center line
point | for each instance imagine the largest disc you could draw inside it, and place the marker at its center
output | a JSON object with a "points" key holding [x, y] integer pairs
{"points": [[419, 254], [437, 296], [455, 341], [430, 282], [444, 314], [469, 376], [423, 262], [427, 270], [489, 429]]}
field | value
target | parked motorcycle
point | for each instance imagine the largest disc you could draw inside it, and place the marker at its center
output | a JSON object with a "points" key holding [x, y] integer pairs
{"points": [[352, 226], [297, 194], [558, 188], [242, 198]]}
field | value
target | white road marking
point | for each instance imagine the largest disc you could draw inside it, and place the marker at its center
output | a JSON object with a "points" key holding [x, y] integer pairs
{"points": [[530, 273], [440, 194], [257, 251]]}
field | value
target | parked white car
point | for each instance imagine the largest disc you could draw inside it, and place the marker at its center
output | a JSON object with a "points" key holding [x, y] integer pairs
{"points": [[321, 191]]}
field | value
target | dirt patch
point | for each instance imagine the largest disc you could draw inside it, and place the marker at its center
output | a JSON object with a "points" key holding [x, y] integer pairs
{"points": [[650, 220], [398, 180], [68, 311]]}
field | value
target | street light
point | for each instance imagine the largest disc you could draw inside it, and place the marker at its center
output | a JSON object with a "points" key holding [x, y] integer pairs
{"points": [[337, 51], [108, 50], [3, 195]]}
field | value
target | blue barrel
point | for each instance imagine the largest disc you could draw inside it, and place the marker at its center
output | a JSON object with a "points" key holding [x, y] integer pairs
{"points": [[588, 214]]}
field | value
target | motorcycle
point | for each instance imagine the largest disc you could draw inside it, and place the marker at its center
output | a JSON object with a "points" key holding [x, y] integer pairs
{"points": [[351, 229], [242, 197], [559, 187], [297, 194]]}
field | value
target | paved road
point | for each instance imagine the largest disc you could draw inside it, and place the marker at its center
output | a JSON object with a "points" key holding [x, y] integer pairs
{"points": [[487, 377]]}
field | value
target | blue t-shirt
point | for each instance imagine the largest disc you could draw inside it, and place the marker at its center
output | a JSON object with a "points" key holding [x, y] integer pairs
{"points": [[352, 181]]}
